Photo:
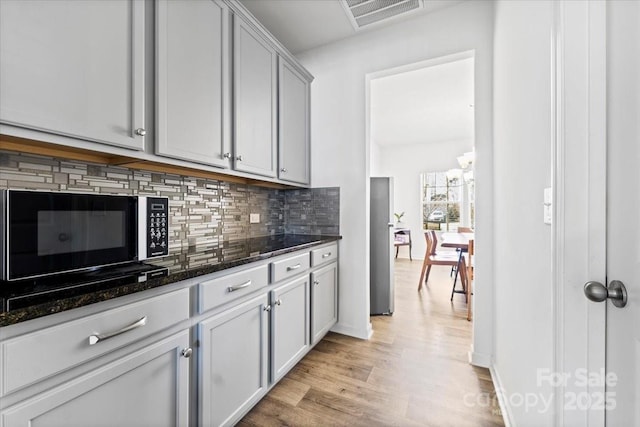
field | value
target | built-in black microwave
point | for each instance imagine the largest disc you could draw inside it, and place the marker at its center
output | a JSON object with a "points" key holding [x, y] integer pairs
{"points": [[45, 233]]}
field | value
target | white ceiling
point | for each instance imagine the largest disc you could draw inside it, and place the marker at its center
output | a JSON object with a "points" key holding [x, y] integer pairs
{"points": [[422, 106], [427, 105], [304, 24]]}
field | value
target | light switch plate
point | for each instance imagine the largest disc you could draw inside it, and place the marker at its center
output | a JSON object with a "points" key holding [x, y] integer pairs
{"points": [[548, 200], [254, 218]]}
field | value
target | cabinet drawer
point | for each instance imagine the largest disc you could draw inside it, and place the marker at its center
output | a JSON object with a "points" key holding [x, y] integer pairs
{"points": [[38, 355], [324, 255], [221, 290], [289, 267]]}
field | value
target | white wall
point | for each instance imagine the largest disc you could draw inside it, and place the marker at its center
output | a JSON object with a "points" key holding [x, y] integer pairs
{"points": [[340, 154], [522, 167], [405, 163], [375, 160]]}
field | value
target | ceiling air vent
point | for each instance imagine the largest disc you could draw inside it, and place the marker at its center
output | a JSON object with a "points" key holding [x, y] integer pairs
{"points": [[366, 12]]}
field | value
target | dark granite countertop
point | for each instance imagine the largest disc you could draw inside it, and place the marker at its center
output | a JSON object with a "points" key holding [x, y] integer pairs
{"points": [[62, 293]]}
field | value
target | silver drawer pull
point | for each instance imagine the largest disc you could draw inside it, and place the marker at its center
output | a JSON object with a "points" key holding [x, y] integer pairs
{"points": [[294, 267], [236, 287], [96, 338], [327, 255]]}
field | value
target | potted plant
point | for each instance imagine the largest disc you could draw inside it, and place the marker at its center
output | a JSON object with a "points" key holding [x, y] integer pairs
{"points": [[399, 223]]}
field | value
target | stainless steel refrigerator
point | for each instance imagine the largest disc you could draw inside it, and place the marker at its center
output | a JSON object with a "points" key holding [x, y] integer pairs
{"points": [[381, 246]]}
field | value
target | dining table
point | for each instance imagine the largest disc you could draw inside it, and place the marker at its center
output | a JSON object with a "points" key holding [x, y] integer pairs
{"points": [[456, 240]]}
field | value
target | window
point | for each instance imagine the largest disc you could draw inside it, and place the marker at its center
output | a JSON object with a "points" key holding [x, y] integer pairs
{"points": [[441, 201]]}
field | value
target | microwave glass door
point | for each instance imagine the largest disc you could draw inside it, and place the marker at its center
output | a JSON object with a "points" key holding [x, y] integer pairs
{"points": [[55, 232]]}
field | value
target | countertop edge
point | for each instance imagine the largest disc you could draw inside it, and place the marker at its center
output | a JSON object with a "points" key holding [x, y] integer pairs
{"points": [[46, 309]]}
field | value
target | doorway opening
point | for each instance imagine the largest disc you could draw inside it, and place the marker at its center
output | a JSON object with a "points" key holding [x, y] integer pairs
{"points": [[421, 132]]}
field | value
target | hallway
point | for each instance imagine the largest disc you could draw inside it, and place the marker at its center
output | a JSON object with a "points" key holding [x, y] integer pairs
{"points": [[413, 371]]}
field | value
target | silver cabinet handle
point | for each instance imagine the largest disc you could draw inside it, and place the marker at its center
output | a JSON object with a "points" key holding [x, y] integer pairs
{"points": [[186, 352], [141, 132], [315, 282], [236, 287], [278, 302], [267, 307], [327, 255], [239, 158], [96, 338], [293, 267], [283, 170], [226, 156]]}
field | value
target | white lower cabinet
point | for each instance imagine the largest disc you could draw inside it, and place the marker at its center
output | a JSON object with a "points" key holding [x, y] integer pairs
{"points": [[246, 347], [233, 362], [33, 357], [149, 387], [130, 365], [234, 350], [289, 326], [324, 301]]}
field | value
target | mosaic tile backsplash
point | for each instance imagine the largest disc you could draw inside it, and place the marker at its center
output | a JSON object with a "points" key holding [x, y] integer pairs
{"points": [[315, 211], [203, 212]]}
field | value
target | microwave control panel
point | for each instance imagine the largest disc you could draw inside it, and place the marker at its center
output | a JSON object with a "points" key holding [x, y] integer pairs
{"points": [[157, 226]]}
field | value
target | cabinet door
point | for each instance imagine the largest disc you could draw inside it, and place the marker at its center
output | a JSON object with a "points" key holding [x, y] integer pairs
{"points": [[324, 301], [32, 357], [289, 326], [149, 387], [74, 68], [293, 125], [193, 93], [255, 83], [234, 351]]}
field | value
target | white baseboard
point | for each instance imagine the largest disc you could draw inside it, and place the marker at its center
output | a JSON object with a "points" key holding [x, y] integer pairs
{"points": [[500, 393], [482, 360], [353, 332]]}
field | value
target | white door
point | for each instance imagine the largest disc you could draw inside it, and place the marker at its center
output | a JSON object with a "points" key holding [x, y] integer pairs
{"points": [[623, 208], [597, 236]]}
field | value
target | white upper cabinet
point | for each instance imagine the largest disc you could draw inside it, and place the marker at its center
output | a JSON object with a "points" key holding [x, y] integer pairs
{"points": [[293, 121], [255, 101], [192, 81], [74, 68], [226, 93]]}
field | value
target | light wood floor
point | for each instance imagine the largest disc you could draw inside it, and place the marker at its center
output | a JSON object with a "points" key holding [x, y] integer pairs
{"points": [[413, 371]]}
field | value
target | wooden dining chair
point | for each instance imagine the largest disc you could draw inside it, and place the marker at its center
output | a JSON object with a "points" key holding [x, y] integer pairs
{"points": [[471, 254], [433, 258]]}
